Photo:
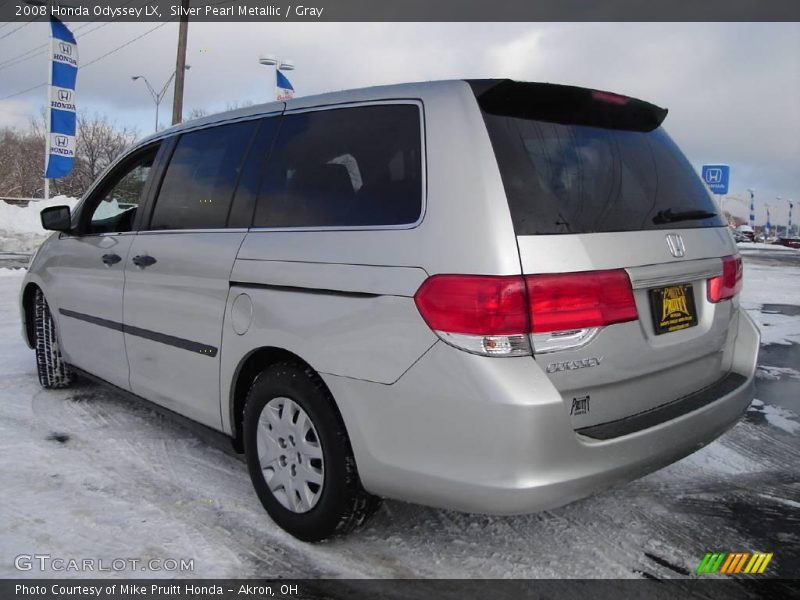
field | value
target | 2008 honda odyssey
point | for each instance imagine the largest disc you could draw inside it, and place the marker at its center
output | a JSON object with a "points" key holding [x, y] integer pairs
{"points": [[489, 296]]}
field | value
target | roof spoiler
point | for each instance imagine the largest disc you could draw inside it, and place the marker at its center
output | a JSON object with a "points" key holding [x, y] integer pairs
{"points": [[566, 104]]}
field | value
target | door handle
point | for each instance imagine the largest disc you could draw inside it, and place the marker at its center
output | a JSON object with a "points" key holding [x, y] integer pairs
{"points": [[111, 259], [143, 260]]}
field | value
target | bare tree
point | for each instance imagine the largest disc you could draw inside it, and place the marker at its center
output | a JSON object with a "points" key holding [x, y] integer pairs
{"points": [[196, 113], [21, 163], [98, 142], [236, 104]]}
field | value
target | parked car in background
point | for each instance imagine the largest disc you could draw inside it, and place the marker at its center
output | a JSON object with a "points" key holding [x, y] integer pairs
{"points": [[485, 295], [789, 242], [746, 233], [739, 237]]}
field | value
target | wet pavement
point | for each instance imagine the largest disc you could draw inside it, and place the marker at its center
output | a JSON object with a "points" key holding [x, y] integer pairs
{"points": [[771, 257]]}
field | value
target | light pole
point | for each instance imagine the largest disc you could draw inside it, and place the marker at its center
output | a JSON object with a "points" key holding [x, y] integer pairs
{"points": [[280, 65], [777, 228], [752, 221], [789, 223], [158, 96]]}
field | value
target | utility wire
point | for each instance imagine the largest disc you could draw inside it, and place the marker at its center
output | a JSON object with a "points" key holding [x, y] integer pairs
{"points": [[23, 91], [99, 58], [128, 43], [42, 48], [2, 37], [39, 50]]}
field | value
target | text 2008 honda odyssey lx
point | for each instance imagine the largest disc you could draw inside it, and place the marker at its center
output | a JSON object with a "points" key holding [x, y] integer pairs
{"points": [[489, 296]]}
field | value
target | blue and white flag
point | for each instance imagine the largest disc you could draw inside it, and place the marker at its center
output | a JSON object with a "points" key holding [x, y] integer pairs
{"points": [[61, 113], [284, 86], [767, 226]]}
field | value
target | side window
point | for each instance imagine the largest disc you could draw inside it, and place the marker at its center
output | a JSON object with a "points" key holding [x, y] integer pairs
{"points": [[244, 201], [114, 209], [344, 167], [201, 177]]}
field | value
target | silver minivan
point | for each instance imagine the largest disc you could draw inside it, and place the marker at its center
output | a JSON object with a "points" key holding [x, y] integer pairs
{"points": [[486, 295]]}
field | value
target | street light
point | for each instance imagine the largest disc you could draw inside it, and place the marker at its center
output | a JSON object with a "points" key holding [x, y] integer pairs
{"points": [[158, 96], [269, 60], [789, 222]]}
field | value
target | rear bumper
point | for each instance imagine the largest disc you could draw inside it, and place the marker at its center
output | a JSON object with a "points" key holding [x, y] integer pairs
{"points": [[493, 436]]}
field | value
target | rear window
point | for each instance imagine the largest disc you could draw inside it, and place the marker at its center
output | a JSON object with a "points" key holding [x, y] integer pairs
{"points": [[564, 174]]}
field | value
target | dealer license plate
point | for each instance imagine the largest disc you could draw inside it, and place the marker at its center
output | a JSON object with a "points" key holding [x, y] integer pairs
{"points": [[673, 308]]}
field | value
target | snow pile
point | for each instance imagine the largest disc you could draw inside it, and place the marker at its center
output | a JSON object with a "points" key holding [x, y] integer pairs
{"points": [[776, 416], [761, 246], [20, 226], [776, 373]]}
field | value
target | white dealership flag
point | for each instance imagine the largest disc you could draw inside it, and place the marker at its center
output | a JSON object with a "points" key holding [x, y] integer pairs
{"points": [[61, 121]]}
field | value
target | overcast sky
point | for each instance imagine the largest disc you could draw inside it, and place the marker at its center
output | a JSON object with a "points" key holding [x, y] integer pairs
{"points": [[732, 90]]}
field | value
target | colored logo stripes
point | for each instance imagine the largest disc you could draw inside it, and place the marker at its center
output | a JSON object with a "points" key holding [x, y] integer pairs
{"points": [[731, 563]]}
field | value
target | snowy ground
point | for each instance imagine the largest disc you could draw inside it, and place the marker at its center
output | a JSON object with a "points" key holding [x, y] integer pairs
{"points": [[87, 473]]}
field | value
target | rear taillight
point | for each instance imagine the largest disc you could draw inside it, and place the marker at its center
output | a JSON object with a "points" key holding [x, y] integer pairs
{"points": [[570, 301], [479, 313], [493, 315], [727, 285], [474, 304]]}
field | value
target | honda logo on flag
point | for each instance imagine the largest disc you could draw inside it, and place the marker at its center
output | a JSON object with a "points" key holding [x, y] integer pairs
{"points": [[61, 117]]}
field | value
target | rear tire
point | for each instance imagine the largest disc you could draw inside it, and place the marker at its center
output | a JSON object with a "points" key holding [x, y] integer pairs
{"points": [[299, 455], [54, 373]]}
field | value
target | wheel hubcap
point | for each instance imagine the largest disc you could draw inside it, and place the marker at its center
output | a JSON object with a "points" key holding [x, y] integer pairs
{"points": [[290, 455]]}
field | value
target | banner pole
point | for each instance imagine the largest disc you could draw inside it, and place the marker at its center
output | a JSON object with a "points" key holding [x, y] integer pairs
{"points": [[47, 103]]}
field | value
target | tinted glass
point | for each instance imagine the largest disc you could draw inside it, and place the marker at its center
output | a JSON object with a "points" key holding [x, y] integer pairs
{"points": [[563, 178], [244, 202], [117, 206], [201, 177], [344, 167]]}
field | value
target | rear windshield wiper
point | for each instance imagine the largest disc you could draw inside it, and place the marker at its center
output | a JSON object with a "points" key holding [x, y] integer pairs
{"points": [[667, 216]]}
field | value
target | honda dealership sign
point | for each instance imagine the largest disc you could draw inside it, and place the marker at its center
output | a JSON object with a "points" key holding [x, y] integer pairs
{"points": [[61, 113]]}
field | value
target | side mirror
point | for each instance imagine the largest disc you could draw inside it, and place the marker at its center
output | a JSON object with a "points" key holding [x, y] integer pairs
{"points": [[56, 218]]}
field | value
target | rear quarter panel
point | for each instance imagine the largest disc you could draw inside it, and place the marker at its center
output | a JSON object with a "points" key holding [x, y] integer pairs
{"points": [[342, 300]]}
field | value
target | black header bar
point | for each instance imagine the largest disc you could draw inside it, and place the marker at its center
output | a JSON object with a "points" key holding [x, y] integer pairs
{"points": [[405, 10]]}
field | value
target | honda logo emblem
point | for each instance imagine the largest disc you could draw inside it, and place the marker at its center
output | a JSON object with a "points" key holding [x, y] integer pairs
{"points": [[64, 95], [675, 245], [66, 49], [62, 141]]}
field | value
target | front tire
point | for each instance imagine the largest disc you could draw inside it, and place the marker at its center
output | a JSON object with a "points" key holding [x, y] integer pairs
{"points": [[53, 372], [299, 455]]}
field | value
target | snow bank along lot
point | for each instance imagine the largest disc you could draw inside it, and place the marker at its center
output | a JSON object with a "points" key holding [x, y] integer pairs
{"points": [[85, 473], [20, 226]]}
